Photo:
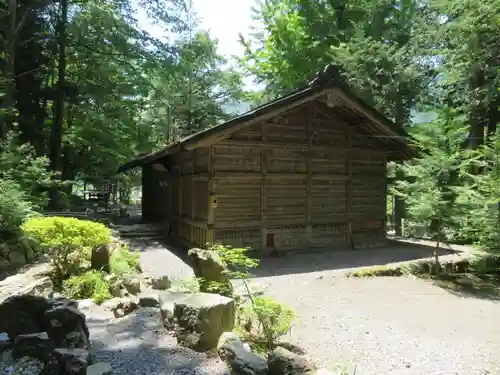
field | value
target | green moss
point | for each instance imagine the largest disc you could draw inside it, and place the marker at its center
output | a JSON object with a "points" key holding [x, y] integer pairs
{"points": [[376, 271]]}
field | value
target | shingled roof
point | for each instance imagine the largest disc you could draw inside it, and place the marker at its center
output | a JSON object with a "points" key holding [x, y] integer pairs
{"points": [[327, 81]]}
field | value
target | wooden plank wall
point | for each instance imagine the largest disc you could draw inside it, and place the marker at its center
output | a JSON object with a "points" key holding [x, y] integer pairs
{"points": [[189, 196], [294, 183]]}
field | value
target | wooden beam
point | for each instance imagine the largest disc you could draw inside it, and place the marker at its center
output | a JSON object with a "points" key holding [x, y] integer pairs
{"points": [[349, 184], [193, 198], [211, 193], [221, 132], [309, 134], [263, 190], [179, 199], [299, 146]]}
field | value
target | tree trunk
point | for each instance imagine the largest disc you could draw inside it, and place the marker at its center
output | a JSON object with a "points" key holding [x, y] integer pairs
{"points": [[399, 203], [57, 126], [10, 48], [477, 116]]}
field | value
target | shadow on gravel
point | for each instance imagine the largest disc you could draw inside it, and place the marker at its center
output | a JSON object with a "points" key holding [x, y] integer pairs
{"points": [[138, 344], [470, 285], [325, 260]]}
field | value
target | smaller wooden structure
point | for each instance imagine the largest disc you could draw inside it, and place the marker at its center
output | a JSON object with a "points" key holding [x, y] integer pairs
{"points": [[307, 170], [101, 193]]}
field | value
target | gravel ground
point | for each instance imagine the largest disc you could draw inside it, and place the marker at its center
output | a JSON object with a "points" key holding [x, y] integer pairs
{"points": [[390, 325], [138, 344], [381, 326]]}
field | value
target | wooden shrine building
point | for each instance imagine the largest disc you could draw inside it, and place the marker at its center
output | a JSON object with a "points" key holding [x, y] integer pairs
{"points": [[307, 170]]}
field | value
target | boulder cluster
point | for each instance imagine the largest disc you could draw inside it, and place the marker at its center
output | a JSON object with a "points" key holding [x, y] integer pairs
{"points": [[47, 336]]}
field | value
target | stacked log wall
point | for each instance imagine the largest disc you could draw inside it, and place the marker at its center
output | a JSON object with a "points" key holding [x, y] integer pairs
{"points": [[303, 180]]}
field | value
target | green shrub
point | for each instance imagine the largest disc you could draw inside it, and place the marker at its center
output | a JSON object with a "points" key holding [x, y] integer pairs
{"points": [[264, 321], [19, 163], [123, 261], [67, 241], [91, 284], [15, 209], [236, 259]]}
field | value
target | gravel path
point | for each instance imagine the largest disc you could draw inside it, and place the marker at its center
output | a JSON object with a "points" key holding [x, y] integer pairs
{"points": [[138, 343], [390, 325], [381, 326]]}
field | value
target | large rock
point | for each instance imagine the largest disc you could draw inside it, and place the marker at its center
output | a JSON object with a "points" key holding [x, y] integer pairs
{"points": [[161, 282], [167, 301], [40, 287], [66, 325], [238, 357], [22, 314], [202, 319], [68, 362], [149, 300], [99, 259], [208, 266], [34, 345], [283, 362], [132, 284]]}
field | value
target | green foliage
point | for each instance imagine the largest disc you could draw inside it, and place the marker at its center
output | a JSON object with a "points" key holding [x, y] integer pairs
{"points": [[236, 259], [19, 164], [15, 209], [123, 261], [431, 183], [480, 197], [373, 42], [376, 271], [192, 284], [68, 242], [264, 321], [91, 284]]}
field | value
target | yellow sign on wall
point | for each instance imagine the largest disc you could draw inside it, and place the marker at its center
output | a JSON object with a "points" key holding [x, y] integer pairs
{"points": [[214, 201]]}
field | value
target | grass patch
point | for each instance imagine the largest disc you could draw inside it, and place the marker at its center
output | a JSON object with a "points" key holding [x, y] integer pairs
{"points": [[123, 261], [376, 271], [477, 276], [91, 284]]}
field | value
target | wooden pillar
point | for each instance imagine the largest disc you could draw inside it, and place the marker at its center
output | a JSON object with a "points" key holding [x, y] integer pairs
{"points": [[193, 230], [264, 154], [399, 207], [349, 184], [211, 193], [309, 134], [179, 197]]}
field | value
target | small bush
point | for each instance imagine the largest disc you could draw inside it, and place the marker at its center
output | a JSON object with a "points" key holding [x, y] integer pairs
{"points": [[264, 321], [236, 259], [91, 284], [123, 261], [67, 241], [191, 284]]}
